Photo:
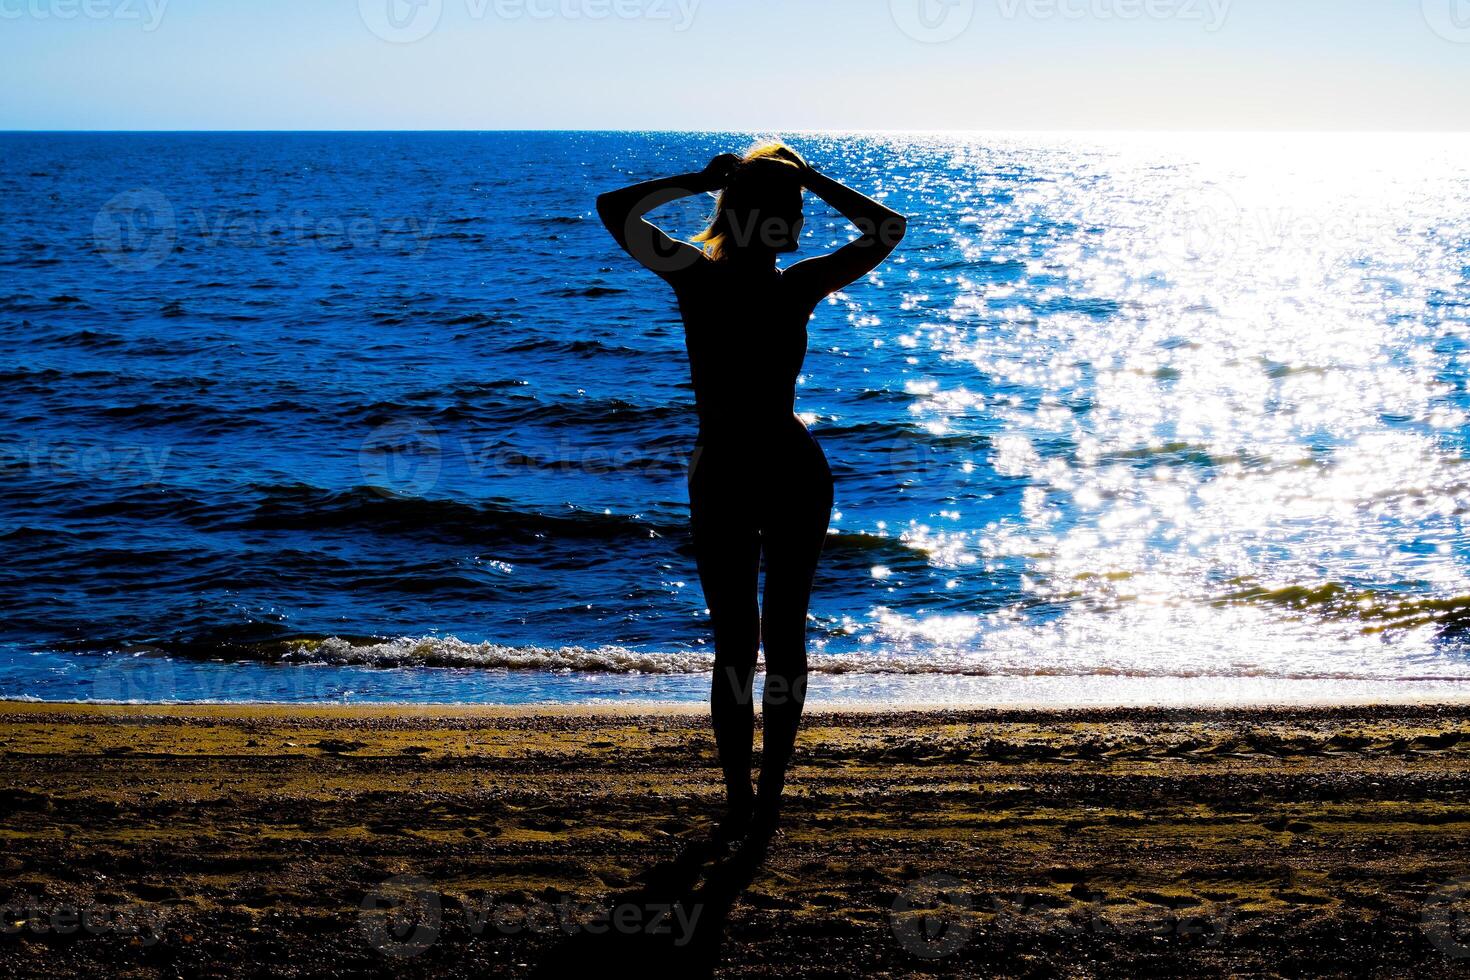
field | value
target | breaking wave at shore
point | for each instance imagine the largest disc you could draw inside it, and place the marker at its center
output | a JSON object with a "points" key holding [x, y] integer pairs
{"points": [[450, 652]]}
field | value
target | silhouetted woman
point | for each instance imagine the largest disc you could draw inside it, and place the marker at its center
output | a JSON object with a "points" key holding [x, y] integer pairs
{"points": [[759, 485]]}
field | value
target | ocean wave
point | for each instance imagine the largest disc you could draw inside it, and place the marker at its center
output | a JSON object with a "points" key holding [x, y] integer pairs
{"points": [[285, 507], [1379, 610], [578, 348], [300, 506], [887, 433], [451, 652]]}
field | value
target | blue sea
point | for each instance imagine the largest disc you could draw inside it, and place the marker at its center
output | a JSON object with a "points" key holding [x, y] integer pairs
{"points": [[388, 417]]}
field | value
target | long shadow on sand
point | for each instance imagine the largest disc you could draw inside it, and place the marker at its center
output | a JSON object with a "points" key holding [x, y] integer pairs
{"points": [[672, 925]]}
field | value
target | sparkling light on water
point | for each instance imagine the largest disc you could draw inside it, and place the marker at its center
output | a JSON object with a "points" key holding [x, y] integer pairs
{"points": [[1253, 464], [1165, 413]]}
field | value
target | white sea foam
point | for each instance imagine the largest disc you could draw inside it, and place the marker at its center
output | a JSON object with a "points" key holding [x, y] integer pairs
{"points": [[451, 652]]}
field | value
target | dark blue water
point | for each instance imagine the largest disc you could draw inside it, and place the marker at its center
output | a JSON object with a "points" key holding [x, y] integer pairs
{"points": [[402, 394]]}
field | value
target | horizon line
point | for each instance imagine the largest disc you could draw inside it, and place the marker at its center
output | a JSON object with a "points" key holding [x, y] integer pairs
{"points": [[763, 130]]}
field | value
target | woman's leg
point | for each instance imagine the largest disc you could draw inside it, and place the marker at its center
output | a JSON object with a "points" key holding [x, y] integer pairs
{"points": [[727, 550], [792, 539]]}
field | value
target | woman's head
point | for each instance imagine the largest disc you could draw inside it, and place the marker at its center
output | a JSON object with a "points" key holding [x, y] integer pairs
{"points": [[760, 208]]}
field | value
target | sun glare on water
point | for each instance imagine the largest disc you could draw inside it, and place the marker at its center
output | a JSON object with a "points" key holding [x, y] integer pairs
{"points": [[1229, 373]]}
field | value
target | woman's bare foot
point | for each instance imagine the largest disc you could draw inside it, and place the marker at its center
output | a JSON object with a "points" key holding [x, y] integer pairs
{"points": [[765, 821], [735, 824]]}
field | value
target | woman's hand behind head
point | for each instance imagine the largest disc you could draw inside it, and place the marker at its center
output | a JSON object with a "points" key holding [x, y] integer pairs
{"points": [[719, 170]]}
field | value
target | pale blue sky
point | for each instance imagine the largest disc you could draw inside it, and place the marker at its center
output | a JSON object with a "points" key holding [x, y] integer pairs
{"points": [[735, 64]]}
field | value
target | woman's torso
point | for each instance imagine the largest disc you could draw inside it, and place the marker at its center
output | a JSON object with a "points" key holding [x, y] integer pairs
{"points": [[746, 338]]}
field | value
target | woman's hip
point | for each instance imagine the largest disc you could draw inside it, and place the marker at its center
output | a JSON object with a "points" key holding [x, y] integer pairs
{"points": [[760, 488], [745, 465]]}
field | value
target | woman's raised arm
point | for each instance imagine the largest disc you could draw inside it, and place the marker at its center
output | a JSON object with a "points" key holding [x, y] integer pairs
{"points": [[622, 212], [881, 230]]}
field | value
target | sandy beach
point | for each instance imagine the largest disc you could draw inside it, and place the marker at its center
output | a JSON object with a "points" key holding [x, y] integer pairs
{"points": [[185, 841]]}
